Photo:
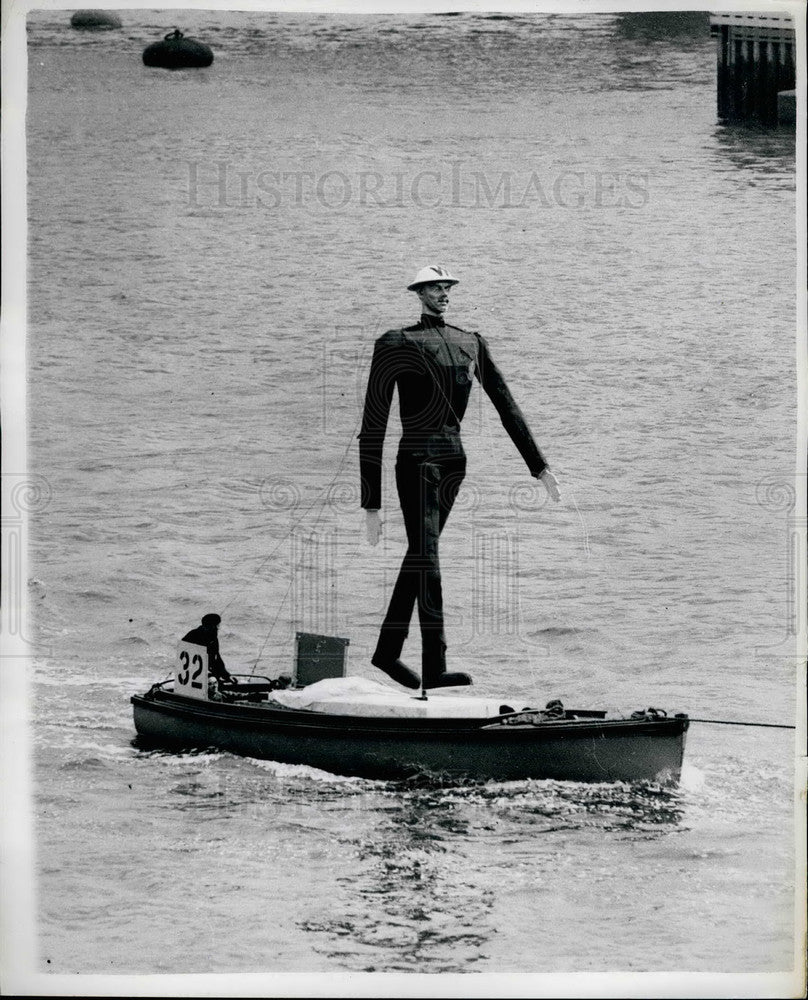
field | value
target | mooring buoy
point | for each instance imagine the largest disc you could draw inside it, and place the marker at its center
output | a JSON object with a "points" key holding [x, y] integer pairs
{"points": [[178, 52], [95, 20]]}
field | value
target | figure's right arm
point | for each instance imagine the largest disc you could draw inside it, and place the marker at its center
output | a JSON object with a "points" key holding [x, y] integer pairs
{"points": [[378, 398]]}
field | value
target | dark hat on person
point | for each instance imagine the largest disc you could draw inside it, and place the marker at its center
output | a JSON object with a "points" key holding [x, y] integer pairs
{"points": [[211, 619]]}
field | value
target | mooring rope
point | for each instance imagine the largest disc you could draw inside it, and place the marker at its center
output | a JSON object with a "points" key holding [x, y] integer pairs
{"points": [[728, 722]]}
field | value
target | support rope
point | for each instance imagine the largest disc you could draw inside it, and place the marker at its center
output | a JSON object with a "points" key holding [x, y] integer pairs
{"points": [[728, 722], [322, 499]]}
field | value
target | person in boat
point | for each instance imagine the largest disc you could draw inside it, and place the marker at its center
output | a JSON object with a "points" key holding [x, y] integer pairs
{"points": [[207, 635], [433, 365]]}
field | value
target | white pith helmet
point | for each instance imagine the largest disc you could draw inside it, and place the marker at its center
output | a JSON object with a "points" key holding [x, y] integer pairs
{"points": [[427, 275]]}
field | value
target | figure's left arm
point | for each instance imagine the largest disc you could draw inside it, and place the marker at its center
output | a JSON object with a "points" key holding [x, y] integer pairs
{"points": [[512, 418]]}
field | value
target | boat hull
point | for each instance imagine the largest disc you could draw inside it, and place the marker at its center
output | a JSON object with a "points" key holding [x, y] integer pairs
{"points": [[592, 750]]}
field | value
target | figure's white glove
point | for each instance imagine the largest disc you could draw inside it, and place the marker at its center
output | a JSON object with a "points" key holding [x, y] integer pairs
{"points": [[373, 524], [551, 485]]}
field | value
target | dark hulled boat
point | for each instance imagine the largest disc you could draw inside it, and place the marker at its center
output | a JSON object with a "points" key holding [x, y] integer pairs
{"points": [[354, 726]]}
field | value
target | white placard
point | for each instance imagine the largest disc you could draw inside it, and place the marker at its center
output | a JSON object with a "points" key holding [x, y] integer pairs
{"points": [[192, 670]]}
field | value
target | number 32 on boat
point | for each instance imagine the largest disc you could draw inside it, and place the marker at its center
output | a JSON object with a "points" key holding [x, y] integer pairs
{"points": [[192, 670]]}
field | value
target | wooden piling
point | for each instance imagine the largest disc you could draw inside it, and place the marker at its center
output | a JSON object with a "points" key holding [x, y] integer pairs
{"points": [[755, 62]]}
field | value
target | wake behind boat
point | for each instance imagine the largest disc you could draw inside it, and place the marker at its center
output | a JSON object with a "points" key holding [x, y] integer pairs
{"points": [[356, 726]]}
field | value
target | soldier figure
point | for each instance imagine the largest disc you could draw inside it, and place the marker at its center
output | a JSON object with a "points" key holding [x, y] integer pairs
{"points": [[432, 364]]}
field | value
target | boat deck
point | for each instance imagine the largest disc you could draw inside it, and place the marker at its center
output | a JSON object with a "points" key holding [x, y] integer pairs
{"points": [[457, 736]]}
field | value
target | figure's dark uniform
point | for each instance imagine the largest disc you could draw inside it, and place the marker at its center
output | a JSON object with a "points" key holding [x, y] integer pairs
{"points": [[432, 364]]}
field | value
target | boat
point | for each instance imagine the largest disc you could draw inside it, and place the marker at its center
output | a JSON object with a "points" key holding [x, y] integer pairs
{"points": [[351, 725]]}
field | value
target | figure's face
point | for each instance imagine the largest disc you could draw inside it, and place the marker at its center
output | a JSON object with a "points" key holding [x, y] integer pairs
{"points": [[435, 296]]}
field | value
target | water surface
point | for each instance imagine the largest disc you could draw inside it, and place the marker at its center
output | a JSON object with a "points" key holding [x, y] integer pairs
{"points": [[211, 255]]}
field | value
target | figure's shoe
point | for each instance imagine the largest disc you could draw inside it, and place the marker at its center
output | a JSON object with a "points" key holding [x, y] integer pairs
{"points": [[449, 679], [398, 671]]}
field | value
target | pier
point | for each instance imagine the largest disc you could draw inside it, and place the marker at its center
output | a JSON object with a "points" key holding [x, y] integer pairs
{"points": [[755, 64]]}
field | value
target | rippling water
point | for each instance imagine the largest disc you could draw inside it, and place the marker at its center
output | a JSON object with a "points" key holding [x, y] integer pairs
{"points": [[211, 255]]}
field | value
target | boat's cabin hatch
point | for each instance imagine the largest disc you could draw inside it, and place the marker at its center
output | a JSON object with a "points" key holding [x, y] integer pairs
{"points": [[318, 657]]}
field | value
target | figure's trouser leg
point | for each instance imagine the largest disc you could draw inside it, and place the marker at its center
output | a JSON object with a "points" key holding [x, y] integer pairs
{"points": [[427, 491]]}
